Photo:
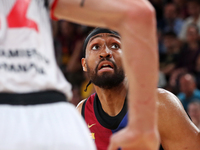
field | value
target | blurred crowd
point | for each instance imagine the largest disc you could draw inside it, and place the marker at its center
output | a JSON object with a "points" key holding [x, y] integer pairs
{"points": [[178, 32]]}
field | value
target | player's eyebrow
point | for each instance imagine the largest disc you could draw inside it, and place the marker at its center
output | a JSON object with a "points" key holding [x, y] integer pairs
{"points": [[111, 35], [115, 36], [96, 36]]}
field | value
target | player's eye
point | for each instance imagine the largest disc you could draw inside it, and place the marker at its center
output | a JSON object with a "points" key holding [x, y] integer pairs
{"points": [[95, 47], [115, 46]]}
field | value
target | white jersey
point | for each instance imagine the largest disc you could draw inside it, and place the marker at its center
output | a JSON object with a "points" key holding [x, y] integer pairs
{"points": [[27, 60]]}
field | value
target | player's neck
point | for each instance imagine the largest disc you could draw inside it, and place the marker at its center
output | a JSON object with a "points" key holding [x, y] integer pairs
{"points": [[112, 100]]}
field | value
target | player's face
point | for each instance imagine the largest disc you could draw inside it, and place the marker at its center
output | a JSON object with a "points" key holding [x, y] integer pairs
{"points": [[103, 60]]}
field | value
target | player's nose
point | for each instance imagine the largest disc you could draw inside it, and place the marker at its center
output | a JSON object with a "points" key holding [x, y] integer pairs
{"points": [[105, 53]]}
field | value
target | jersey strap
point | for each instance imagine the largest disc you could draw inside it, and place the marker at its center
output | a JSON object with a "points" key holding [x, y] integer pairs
{"points": [[83, 109]]}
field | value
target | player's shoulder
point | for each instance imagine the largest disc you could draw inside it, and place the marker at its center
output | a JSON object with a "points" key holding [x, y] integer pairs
{"points": [[165, 96], [168, 103], [80, 105]]}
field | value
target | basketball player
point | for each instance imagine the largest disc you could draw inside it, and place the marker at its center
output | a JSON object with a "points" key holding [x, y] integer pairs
{"points": [[33, 111], [105, 111]]}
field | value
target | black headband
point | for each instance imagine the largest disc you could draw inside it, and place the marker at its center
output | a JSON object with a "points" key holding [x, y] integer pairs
{"points": [[95, 32]]}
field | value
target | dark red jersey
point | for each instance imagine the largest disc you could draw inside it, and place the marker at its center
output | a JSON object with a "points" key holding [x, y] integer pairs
{"points": [[101, 125]]}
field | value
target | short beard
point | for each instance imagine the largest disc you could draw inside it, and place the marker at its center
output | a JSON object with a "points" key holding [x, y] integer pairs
{"points": [[106, 80]]}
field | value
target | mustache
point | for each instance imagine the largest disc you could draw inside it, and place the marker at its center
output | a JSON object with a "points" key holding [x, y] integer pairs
{"points": [[106, 59]]}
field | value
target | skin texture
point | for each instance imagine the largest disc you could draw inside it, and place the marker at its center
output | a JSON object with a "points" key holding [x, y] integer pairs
{"points": [[176, 130], [135, 22]]}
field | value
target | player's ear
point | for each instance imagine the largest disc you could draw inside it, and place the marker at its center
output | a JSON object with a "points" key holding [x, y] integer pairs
{"points": [[84, 64]]}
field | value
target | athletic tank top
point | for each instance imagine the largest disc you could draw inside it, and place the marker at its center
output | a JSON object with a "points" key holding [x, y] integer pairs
{"points": [[101, 125], [27, 61]]}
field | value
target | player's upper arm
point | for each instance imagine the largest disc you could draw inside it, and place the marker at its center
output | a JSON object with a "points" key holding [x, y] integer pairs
{"points": [[103, 13], [80, 105], [176, 130]]}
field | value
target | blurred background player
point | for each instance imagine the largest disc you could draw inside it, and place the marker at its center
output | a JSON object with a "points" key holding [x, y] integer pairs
{"points": [[188, 90], [34, 111], [194, 112], [193, 7]]}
